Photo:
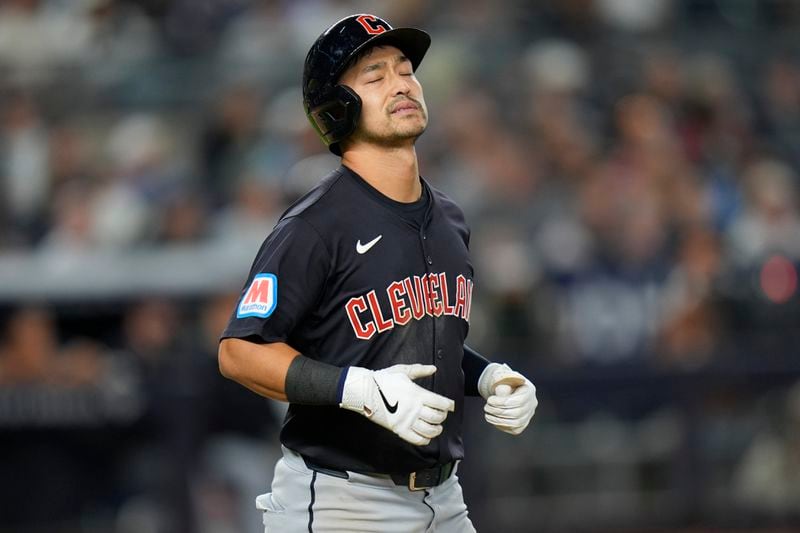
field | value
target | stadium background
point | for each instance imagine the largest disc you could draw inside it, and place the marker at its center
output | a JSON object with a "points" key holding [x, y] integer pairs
{"points": [[630, 172]]}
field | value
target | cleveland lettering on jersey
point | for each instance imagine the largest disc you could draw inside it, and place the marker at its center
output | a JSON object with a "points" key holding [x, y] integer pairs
{"points": [[412, 297]]}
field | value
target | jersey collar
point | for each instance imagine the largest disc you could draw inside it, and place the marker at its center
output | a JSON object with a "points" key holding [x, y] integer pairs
{"points": [[395, 207]]}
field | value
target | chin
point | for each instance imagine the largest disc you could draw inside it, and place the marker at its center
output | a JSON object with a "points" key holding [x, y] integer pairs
{"points": [[411, 133], [412, 130], [395, 136]]}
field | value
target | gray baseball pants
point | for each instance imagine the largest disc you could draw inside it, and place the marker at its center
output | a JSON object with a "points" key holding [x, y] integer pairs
{"points": [[303, 500]]}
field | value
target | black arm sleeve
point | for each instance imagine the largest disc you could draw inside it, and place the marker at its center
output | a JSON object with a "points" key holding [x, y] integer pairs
{"points": [[473, 365], [310, 382]]}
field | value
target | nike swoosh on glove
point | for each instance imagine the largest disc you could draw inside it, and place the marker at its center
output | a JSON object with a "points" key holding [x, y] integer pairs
{"points": [[391, 399], [510, 413]]}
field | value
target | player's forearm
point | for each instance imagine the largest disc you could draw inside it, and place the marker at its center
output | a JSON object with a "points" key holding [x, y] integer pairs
{"points": [[278, 371], [261, 368]]}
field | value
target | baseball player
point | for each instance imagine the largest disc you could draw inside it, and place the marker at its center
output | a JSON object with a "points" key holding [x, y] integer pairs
{"points": [[356, 310]]}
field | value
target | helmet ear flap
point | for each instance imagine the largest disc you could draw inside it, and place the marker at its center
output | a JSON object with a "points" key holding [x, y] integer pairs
{"points": [[337, 118]]}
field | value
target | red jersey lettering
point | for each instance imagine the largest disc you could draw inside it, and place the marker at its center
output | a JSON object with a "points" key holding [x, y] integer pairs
{"points": [[375, 307], [416, 296], [461, 295], [469, 300], [435, 290], [448, 309], [353, 307], [400, 312], [409, 298]]}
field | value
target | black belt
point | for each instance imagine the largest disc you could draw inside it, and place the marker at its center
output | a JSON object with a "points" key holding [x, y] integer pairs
{"points": [[425, 479], [419, 480]]}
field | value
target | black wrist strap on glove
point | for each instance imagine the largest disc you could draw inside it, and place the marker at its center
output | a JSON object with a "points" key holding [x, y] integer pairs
{"points": [[311, 382]]}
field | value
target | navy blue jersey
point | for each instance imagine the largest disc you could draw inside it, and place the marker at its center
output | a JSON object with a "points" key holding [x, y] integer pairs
{"points": [[349, 278]]}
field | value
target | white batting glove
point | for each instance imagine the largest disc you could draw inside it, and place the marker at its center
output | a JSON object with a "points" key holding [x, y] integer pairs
{"points": [[510, 398], [391, 399]]}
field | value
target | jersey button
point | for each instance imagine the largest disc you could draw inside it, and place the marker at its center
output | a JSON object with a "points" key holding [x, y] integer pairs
{"points": [[439, 353], [430, 261]]}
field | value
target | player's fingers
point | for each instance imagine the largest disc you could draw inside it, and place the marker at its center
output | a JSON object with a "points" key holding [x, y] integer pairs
{"points": [[507, 417], [511, 413], [416, 371], [511, 430], [414, 438], [503, 420], [439, 402], [524, 394], [429, 431], [525, 404], [512, 379], [433, 416], [507, 425]]}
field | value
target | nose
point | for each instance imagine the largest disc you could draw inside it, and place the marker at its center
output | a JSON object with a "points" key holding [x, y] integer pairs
{"points": [[402, 84]]}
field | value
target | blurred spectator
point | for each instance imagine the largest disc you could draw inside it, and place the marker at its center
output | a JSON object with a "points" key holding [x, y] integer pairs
{"points": [[31, 354], [157, 473], [768, 477], [237, 459], [70, 220], [645, 15], [770, 222], [29, 348], [184, 219], [556, 67], [72, 156], [762, 253], [47, 386], [692, 325], [123, 42], [24, 172], [145, 172], [191, 29], [230, 140], [716, 122], [259, 45], [663, 75], [37, 37], [781, 107], [250, 217]]}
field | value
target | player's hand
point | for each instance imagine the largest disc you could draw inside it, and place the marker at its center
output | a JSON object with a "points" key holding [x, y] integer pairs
{"points": [[510, 398], [391, 399]]}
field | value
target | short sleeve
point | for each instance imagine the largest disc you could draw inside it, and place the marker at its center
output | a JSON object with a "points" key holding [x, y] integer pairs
{"points": [[285, 282]]}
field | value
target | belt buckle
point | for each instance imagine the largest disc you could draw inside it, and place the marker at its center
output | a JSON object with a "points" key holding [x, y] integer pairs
{"points": [[412, 480]]}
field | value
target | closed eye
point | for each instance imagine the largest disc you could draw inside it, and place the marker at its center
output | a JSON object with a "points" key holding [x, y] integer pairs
{"points": [[375, 80]]}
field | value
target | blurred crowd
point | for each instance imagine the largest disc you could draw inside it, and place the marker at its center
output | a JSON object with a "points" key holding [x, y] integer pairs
{"points": [[629, 169]]}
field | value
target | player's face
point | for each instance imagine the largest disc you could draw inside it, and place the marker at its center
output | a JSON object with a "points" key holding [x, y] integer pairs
{"points": [[393, 111]]}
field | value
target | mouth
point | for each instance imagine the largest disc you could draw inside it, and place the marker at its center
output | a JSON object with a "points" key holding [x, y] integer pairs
{"points": [[404, 107]]}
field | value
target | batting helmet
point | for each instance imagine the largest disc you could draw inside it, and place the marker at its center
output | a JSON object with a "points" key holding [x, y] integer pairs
{"points": [[333, 109]]}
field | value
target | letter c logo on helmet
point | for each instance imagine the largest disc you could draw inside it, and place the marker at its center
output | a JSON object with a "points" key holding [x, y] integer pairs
{"points": [[373, 25], [333, 109]]}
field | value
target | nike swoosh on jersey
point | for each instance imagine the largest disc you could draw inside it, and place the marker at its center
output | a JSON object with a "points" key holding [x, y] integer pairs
{"points": [[364, 248], [391, 408]]}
